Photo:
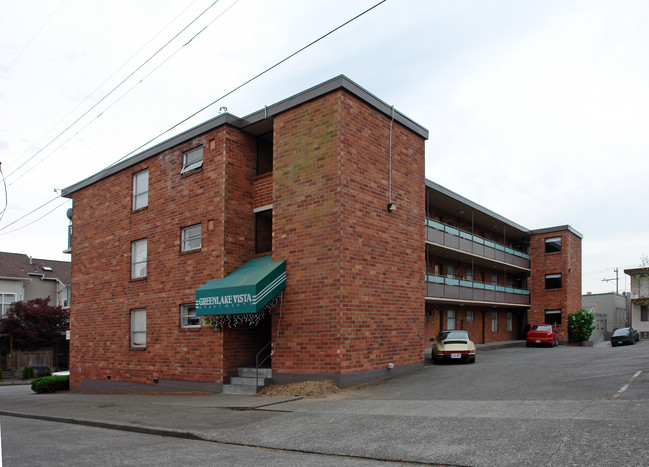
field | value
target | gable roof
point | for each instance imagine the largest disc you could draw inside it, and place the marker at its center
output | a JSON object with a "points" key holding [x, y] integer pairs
{"points": [[21, 266]]}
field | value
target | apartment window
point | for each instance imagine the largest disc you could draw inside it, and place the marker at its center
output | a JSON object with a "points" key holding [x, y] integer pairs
{"points": [[450, 271], [553, 244], [552, 281], [188, 318], [264, 231], [265, 153], [6, 299], [494, 279], [191, 238], [138, 258], [138, 328], [469, 316], [450, 319], [644, 312], [469, 275], [192, 159], [494, 321], [552, 316], [509, 321], [141, 190]]}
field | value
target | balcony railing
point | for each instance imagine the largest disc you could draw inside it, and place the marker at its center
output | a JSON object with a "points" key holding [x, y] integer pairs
{"points": [[465, 241], [461, 289]]}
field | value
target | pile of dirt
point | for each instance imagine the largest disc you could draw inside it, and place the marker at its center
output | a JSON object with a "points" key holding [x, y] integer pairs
{"points": [[314, 389]]}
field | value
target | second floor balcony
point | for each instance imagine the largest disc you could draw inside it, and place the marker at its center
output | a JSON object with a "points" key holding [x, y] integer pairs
{"points": [[440, 288], [466, 242]]}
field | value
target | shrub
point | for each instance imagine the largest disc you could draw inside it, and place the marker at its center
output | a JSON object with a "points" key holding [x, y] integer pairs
{"points": [[51, 384], [43, 372], [580, 326], [28, 372]]}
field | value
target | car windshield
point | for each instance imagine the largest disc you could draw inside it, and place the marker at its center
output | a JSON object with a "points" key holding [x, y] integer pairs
{"points": [[541, 328], [621, 332], [446, 335]]}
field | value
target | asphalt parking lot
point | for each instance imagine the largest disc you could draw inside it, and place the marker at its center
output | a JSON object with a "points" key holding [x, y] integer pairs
{"points": [[515, 406]]}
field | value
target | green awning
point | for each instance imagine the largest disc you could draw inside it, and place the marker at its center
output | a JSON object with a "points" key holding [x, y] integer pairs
{"points": [[246, 290]]}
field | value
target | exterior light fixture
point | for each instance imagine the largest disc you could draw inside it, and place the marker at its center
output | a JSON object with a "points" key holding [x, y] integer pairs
{"points": [[392, 207]]}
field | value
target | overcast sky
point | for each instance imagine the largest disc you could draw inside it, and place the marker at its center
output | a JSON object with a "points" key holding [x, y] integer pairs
{"points": [[537, 109]]}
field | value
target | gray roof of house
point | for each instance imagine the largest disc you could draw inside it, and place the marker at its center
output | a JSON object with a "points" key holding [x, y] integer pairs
{"points": [[256, 123], [19, 266]]}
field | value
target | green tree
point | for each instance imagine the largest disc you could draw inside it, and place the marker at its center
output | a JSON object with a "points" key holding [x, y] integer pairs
{"points": [[580, 326]]}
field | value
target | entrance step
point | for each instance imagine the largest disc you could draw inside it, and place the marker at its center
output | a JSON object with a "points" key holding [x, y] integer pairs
{"points": [[246, 382]]}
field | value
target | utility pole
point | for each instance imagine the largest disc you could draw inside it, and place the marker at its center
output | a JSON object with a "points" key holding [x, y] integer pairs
{"points": [[617, 280]]}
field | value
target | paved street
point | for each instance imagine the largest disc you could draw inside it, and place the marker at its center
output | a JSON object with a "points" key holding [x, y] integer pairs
{"points": [[514, 406]]}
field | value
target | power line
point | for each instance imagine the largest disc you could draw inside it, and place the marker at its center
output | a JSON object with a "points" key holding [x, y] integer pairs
{"points": [[36, 220], [112, 90], [99, 86], [125, 94], [248, 82], [32, 39], [4, 182], [31, 212]]}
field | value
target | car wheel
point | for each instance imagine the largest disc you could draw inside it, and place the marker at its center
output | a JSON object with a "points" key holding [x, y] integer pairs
{"points": [[472, 360]]}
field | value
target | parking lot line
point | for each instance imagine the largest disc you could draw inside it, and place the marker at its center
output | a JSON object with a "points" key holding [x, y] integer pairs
{"points": [[626, 386]]}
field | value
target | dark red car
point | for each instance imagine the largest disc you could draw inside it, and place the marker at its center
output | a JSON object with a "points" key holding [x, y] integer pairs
{"points": [[542, 334]]}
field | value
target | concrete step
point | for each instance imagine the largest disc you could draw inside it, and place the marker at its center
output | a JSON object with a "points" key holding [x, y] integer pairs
{"points": [[240, 389], [249, 380], [250, 372]]}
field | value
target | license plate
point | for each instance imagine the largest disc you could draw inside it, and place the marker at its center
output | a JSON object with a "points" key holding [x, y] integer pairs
{"points": [[538, 341], [456, 355]]}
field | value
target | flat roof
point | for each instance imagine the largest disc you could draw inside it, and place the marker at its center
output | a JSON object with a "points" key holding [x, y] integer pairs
{"points": [[256, 123]]}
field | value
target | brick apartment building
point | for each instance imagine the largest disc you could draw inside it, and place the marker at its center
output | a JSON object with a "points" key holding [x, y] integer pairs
{"points": [[298, 231]]}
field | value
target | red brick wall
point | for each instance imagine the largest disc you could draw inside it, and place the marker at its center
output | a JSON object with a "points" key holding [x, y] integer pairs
{"points": [[263, 190], [567, 262], [103, 293], [354, 300]]}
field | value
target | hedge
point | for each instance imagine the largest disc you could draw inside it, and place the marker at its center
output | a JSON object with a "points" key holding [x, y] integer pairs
{"points": [[51, 384]]}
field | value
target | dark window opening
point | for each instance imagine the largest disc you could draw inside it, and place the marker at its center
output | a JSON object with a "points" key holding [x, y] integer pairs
{"points": [[264, 231], [265, 153], [552, 316], [552, 245], [644, 312], [552, 281]]}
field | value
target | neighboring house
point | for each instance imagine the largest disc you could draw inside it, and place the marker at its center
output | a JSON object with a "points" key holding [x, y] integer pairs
{"points": [[306, 230], [613, 306], [24, 278], [639, 300]]}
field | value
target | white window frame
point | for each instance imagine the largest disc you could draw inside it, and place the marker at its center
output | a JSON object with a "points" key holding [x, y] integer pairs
{"points": [[469, 316], [450, 318], [188, 318], [451, 271], [192, 159], [494, 321], [139, 253], [138, 328], [509, 321], [553, 276], [191, 238], [550, 240], [141, 189], [4, 304]]}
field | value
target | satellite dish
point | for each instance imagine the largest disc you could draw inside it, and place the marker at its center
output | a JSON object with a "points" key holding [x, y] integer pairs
{"points": [[69, 213]]}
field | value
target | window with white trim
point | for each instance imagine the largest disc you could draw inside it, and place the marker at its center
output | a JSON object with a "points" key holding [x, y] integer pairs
{"points": [[188, 318], [450, 319], [6, 299], [509, 321], [138, 258], [141, 190], [192, 159], [191, 238], [138, 328], [469, 316], [494, 321]]}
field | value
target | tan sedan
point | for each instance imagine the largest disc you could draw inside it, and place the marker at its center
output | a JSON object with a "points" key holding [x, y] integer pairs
{"points": [[453, 346]]}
